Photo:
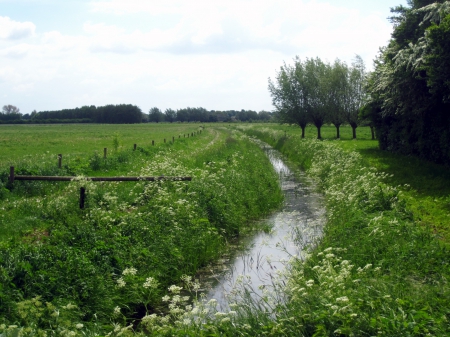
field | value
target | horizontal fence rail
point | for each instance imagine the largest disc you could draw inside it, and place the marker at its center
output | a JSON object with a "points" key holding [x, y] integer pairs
{"points": [[13, 177], [62, 178]]}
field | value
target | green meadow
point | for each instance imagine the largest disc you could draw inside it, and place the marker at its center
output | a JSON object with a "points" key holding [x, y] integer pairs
{"points": [[25, 142]]}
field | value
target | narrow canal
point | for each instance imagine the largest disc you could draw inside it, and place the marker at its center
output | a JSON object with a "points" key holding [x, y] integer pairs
{"points": [[257, 260]]}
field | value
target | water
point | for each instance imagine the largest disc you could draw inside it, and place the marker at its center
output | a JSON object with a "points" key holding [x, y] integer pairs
{"points": [[258, 260]]}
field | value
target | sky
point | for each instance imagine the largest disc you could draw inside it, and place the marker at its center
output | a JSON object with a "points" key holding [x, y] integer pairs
{"points": [[216, 54]]}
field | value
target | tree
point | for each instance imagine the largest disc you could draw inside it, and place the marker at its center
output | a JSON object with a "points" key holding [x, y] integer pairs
{"points": [[336, 87], [170, 115], [10, 112], [316, 92], [409, 86], [355, 94], [288, 95], [155, 115], [264, 115]]}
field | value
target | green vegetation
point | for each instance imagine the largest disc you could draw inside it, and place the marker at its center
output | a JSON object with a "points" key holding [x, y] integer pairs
{"points": [[111, 263], [409, 89], [128, 114], [39, 143], [381, 267], [425, 186], [316, 92], [376, 270]]}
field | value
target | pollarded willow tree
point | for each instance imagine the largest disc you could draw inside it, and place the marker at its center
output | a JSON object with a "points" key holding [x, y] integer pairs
{"points": [[355, 96], [312, 91], [336, 89], [288, 96]]}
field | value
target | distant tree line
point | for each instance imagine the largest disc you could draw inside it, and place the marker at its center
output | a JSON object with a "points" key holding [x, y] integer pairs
{"points": [[409, 89], [312, 91], [111, 114], [155, 115], [127, 114]]}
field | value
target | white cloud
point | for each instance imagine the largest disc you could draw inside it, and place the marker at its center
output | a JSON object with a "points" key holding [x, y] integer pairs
{"points": [[16, 51], [217, 54], [309, 28], [13, 30]]}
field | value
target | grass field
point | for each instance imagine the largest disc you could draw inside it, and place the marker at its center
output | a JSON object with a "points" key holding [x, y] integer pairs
{"points": [[28, 142]]}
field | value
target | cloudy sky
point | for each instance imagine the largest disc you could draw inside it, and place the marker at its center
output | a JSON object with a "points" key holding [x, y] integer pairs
{"points": [[217, 54]]}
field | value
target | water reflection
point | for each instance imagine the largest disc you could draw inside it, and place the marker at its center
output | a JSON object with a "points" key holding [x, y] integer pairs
{"points": [[260, 257]]}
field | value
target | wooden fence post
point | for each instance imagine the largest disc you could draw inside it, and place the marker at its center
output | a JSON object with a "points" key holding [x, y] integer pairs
{"points": [[11, 174], [59, 160], [153, 143], [134, 148], [105, 152], [82, 197]]}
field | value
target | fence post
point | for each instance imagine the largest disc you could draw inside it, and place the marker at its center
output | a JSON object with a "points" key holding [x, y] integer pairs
{"points": [[134, 149], [11, 174], [82, 197], [59, 160], [153, 143], [164, 140], [105, 152]]}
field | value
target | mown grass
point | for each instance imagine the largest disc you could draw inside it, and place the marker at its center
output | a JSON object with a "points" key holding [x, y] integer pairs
{"points": [[68, 271], [29, 142]]}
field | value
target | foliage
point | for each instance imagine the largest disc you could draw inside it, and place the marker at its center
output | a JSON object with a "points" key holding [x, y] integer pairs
{"points": [[121, 113], [409, 88], [155, 115], [312, 91], [10, 113]]}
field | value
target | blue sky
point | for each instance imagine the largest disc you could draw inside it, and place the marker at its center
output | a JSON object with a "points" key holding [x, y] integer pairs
{"points": [[173, 53]]}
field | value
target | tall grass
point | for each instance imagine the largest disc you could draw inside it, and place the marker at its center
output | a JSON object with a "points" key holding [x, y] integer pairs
{"points": [[376, 271], [70, 271]]}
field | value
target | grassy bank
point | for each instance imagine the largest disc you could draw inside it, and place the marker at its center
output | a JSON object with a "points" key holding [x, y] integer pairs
{"points": [[425, 186], [376, 271], [67, 271]]}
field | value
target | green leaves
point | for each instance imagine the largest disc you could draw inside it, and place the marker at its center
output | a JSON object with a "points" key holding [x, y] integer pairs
{"points": [[312, 91]]}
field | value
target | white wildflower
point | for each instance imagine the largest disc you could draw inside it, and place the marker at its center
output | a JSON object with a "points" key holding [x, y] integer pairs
{"points": [[151, 283], [121, 283]]}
